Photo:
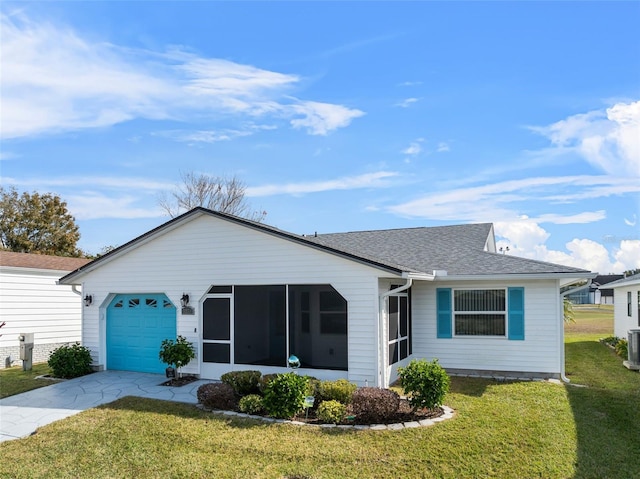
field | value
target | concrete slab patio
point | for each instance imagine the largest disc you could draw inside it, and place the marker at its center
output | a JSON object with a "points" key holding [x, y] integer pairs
{"points": [[21, 415]]}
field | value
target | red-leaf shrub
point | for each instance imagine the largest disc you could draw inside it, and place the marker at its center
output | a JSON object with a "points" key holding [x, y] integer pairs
{"points": [[375, 405], [217, 396]]}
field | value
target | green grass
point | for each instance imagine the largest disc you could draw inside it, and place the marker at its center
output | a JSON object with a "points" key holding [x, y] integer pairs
{"points": [[501, 429], [15, 381]]}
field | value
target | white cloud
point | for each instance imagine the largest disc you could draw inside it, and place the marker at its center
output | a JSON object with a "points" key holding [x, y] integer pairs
{"points": [[406, 103], [608, 139], [92, 182], [368, 180], [415, 148], [443, 147], [92, 206], [410, 83], [507, 199], [54, 80], [527, 238], [321, 118], [211, 136]]}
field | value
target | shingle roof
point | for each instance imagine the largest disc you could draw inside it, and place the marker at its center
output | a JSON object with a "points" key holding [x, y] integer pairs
{"points": [[459, 249], [41, 261]]}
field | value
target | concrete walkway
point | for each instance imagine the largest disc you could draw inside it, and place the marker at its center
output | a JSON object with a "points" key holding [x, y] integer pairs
{"points": [[22, 414]]}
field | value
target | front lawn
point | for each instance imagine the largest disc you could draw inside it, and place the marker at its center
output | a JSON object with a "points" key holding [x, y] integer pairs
{"points": [[15, 381], [501, 429]]}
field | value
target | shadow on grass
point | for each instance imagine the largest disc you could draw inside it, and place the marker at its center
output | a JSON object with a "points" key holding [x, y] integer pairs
{"points": [[606, 412], [191, 411], [475, 387]]}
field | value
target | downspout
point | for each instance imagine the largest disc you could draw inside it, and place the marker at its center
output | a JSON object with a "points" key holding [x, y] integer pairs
{"points": [[382, 366], [561, 312], [75, 290]]}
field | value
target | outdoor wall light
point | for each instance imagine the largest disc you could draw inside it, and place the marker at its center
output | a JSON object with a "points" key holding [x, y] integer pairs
{"points": [[88, 299], [184, 301]]}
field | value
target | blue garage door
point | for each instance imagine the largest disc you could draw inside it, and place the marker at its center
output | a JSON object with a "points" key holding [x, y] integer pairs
{"points": [[136, 326]]}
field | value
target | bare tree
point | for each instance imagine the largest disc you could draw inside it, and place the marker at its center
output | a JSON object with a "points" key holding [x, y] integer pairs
{"points": [[224, 194]]}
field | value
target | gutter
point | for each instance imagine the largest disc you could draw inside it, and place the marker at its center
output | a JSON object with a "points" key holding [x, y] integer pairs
{"points": [[563, 377]]}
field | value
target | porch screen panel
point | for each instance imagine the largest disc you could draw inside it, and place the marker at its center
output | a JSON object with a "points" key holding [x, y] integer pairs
{"points": [[260, 325]]}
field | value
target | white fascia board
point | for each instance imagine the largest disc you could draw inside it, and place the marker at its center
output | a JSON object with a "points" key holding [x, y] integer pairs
{"points": [[419, 276], [570, 277], [621, 284], [35, 271]]}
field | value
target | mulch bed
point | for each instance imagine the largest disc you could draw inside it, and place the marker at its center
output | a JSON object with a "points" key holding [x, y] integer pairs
{"points": [[177, 382], [404, 414]]}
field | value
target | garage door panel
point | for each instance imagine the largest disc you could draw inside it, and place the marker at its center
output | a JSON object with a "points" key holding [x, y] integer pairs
{"points": [[136, 327]]}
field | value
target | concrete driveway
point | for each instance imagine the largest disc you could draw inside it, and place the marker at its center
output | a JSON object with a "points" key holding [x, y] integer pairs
{"points": [[22, 414]]}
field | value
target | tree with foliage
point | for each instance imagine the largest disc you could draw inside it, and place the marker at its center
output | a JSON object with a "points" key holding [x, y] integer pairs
{"points": [[37, 223], [569, 316], [224, 194]]}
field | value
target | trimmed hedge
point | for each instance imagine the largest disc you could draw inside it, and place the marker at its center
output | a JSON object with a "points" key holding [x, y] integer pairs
{"points": [[217, 396], [243, 382], [340, 390], [70, 361], [375, 405], [284, 395]]}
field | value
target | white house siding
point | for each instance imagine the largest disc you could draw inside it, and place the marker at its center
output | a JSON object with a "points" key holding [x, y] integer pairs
{"points": [[32, 302], [207, 251], [622, 322], [538, 353]]}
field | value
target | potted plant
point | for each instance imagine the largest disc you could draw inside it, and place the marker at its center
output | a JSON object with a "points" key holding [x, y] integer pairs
{"points": [[177, 354]]}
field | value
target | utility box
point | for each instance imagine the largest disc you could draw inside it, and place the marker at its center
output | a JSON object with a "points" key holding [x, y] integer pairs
{"points": [[26, 350], [634, 350]]}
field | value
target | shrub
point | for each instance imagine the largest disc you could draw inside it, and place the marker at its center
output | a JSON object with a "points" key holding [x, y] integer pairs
{"points": [[217, 396], [331, 412], [251, 404], [375, 405], [622, 348], [70, 361], [610, 341], [284, 395], [340, 390], [176, 353], [243, 382], [265, 380], [426, 383]]}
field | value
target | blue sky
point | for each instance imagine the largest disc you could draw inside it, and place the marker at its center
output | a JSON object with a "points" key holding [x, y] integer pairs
{"points": [[337, 116]]}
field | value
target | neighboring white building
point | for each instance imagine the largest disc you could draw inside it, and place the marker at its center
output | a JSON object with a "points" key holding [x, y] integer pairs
{"points": [[626, 309], [31, 301], [348, 305]]}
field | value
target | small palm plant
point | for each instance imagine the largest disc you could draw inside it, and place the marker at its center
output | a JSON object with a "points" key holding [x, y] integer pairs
{"points": [[569, 316], [177, 353]]}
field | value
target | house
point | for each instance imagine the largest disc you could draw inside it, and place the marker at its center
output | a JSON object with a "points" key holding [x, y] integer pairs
{"points": [[349, 305], [597, 293], [32, 302], [626, 305]]}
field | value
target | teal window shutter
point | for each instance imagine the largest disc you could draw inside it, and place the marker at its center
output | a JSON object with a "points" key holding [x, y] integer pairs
{"points": [[516, 313], [443, 308]]}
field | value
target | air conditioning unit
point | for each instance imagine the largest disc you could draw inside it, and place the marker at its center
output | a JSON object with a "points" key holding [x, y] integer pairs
{"points": [[634, 350]]}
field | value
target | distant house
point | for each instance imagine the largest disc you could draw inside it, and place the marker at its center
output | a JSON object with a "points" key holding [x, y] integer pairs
{"points": [[31, 301], [597, 293], [626, 309], [349, 305]]}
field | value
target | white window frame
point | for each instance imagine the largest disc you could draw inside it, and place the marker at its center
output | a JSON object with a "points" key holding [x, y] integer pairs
{"points": [[505, 313]]}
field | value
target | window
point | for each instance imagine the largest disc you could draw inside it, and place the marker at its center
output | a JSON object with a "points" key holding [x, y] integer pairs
{"points": [[629, 305], [399, 326], [479, 312]]}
